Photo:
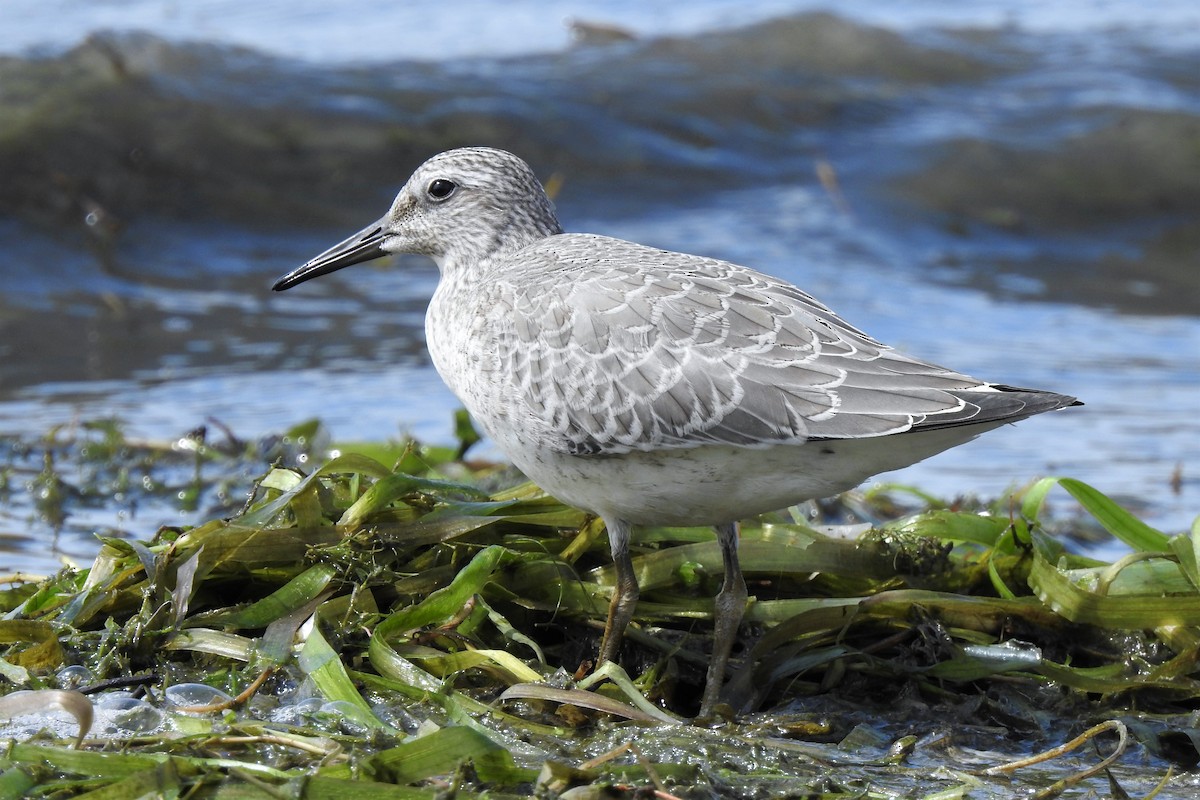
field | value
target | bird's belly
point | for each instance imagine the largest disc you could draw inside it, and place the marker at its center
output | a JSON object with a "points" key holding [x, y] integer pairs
{"points": [[716, 484], [699, 486]]}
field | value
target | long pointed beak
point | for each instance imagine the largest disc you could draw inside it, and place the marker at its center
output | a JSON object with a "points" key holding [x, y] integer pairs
{"points": [[362, 246]]}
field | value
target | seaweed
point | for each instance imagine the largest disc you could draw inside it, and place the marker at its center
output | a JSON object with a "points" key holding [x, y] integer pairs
{"points": [[396, 622]]}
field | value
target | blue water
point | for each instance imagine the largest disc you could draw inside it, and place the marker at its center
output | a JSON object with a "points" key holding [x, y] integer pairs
{"points": [[363, 30], [657, 142]]}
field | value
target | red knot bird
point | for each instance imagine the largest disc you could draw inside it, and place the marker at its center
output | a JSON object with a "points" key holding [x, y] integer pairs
{"points": [[651, 387]]}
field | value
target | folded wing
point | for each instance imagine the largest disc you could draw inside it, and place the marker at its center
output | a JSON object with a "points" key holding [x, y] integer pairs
{"points": [[642, 349]]}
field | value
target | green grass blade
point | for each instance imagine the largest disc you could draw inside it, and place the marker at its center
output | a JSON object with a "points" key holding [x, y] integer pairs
{"points": [[323, 665], [446, 602], [348, 463], [1079, 601], [1116, 520], [84, 762], [505, 666], [162, 781], [438, 606], [953, 526], [296, 593], [387, 490], [16, 782], [440, 753], [322, 788]]}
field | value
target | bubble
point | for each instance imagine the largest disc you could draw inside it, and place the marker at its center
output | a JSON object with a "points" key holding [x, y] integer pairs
{"points": [[138, 717], [73, 677], [195, 695], [345, 714]]}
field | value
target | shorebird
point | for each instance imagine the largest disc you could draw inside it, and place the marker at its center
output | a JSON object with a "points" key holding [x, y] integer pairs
{"points": [[651, 387]]}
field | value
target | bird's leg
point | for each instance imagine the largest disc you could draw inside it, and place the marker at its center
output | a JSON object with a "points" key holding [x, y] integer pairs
{"points": [[728, 609], [625, 595]]}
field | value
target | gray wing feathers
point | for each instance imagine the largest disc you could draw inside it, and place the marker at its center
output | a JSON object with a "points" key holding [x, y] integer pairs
{"points": [[641, 349]]}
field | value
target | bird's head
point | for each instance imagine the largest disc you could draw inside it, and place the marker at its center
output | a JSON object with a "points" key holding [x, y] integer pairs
{"points": [[460, 208]]}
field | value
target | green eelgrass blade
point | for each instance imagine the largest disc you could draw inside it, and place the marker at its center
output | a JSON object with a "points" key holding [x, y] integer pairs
{"points": [[1116, 520], [324, 666], [392, 487], [1076, 595], [438, 606], [347, 463], [445, 602], [441, 752], [15, 783], [300, 590]]}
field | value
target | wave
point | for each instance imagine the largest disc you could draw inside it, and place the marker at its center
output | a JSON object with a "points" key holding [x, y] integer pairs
{"points": [[133, 124], [969, 129]]}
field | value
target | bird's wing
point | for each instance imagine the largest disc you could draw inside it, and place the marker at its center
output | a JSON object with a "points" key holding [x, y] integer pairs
{"points": [[614, 347]]}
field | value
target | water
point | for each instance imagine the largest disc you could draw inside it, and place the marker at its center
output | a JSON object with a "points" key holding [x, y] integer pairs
{"points": [[1014, 194], [360, 30]]}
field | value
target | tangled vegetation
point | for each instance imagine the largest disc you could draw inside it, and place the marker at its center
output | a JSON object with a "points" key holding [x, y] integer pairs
{"points": [[390, 623]]}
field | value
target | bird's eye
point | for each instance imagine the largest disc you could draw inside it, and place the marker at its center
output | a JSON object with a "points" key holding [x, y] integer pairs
{"points": [[440, 188]]}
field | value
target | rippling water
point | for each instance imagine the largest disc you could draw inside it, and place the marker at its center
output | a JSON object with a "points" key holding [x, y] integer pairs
{"points": [[1009, 189]]}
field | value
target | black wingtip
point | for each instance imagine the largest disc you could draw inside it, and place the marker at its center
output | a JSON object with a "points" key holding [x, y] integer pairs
{"points": [[1046, 401]]}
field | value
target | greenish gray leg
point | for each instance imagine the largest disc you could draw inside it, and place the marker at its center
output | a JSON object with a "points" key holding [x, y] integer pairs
{"points": [[728, 609], [625, 596]]}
